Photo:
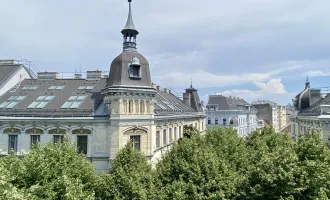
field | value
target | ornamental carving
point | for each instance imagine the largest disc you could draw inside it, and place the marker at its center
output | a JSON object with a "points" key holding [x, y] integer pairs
{"points": [[82, 131], [57, 131], [11, 130], [34, 131], [136, 131]]}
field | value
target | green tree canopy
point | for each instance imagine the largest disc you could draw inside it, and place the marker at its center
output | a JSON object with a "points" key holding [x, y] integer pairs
{"points": [[54, 171], [130, 177]]}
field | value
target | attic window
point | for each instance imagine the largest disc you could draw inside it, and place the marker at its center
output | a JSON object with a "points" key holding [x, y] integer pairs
{"points": [[134, 69], [30, 87], [56, 87], [85, 87], [74, 102], [12, 101], [41, 102]]}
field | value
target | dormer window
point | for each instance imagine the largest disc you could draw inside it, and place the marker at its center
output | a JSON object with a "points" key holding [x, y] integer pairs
{"points": [[134, 69]]}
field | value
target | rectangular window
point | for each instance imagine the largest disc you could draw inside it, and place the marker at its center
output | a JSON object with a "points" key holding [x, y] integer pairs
{"points": [[41, 102], [136, 142], [12, 144], [164, 137], [56, 87], [157, 139], [12, 101], [82, 142], [58, 138], [170, 134], [35, 139], [74, 102], [175, 134]]}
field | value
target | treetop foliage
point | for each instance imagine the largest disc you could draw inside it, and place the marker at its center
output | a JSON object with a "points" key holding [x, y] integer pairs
{"points": [[217, 165]]}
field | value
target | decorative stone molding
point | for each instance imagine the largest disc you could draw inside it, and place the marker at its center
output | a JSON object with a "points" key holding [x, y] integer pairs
{"points": [[12, 130], [57, 131], [34, 131], [81, 131], [135, 130]]}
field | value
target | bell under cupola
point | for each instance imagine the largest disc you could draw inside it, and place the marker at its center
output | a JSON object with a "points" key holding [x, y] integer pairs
{"points": [[129, 32]]}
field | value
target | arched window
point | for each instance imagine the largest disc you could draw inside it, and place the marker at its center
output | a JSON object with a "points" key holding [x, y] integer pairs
{"points": [[233, 121], [209, 120], [224, 121], [216, 120]]}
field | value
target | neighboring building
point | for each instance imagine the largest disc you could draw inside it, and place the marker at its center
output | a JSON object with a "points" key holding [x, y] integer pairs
{"points": [[313, 113], [281, 117], [267, 111], [307, 97], [12, 73], [100, 114], [231, 112]]}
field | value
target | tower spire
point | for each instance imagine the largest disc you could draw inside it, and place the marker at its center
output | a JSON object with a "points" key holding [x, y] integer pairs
{"points": [[307, 84], [129, 32]]}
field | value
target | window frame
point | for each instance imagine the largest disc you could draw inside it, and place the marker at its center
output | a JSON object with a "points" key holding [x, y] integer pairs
{"points": [[82, 146], [15, 136], [134, 141]]}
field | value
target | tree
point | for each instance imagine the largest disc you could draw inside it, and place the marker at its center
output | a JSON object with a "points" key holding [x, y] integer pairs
{"points": [[272, 166], [54, 171], [130, 177], [194, 169], [313, 167]]}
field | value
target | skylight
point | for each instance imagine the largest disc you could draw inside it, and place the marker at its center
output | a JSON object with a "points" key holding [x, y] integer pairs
{"points": [[85, 87], [169, 105], [30, 87], [74, 102], [12, 101], [56, 87], [41, 102]]}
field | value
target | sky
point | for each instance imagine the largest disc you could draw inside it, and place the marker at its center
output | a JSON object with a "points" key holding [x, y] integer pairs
{"points": [[253, 49]]}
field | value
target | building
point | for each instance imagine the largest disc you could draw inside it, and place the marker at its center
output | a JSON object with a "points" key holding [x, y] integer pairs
{"points": [[281, 117], [312, 113], [100, 114], [12, 73], [231, 112], [267, 111]]}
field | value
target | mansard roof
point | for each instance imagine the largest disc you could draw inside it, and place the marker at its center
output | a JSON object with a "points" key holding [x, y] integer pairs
{"points": [[315, 109], [165, 103], [228, 103], [92, 100]]}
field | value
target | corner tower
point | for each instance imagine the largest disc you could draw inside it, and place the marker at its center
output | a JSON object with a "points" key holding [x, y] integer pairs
{"points": [[129, 94]]}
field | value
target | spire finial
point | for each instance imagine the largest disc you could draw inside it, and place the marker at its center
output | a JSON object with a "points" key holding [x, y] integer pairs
{"points": [[307, 80], [191, 83], [129, 32]]}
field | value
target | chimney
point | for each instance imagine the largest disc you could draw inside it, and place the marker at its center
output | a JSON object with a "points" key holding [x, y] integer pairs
{"points": [[325, 109], [94, 75], [8, 62], [166, 90], [78, 76], [158, 87], [47, 75]]}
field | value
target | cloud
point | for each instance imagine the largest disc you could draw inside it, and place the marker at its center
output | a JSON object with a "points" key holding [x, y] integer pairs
{"points": [[217, 43], [316, 73], [272, 90]]}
